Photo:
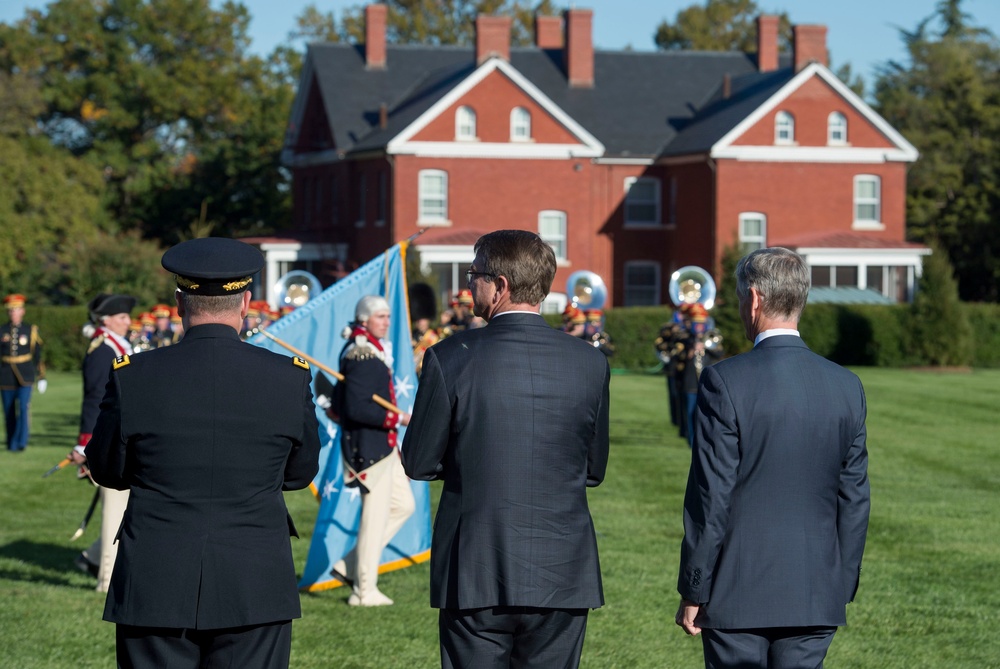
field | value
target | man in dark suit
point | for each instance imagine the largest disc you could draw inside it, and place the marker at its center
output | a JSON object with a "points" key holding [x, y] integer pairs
{"points": [[776, 510], [513, 418], [204, 575]]}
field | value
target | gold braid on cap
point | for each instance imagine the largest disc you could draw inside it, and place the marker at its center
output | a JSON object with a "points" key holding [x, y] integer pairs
{"points": [[186, 284], [239, 284]]}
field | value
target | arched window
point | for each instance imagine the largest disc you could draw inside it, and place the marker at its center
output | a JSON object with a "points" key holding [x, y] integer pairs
{"points": [[465, 123], [520, 124], [836, 129], [784, 128]]}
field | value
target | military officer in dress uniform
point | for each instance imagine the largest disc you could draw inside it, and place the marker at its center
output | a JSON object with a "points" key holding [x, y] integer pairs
{"points": [[108, 328], [20, 365], [369, 447], [204, 575], [163, 335]]}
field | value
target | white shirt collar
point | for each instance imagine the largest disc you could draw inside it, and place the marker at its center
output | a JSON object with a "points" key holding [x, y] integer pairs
{"points": [[773, 333]]}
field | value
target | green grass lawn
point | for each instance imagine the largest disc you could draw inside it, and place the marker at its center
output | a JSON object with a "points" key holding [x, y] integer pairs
{"points": [[929, 597]]}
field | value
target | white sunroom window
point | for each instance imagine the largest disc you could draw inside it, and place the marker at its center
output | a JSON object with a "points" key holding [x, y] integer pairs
{"points": [[433, 196], [465, 123], [642, 201], [520, 124], [552, 230], [784, 128]]}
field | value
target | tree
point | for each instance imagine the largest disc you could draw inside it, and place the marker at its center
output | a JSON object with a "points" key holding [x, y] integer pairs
{"points": [[719, 25], [946, 101], [940, 333], [161, 96], [446, 21]]}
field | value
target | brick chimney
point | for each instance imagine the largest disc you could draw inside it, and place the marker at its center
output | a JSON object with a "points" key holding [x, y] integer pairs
{"points": [[767, 43], [375, 20], [492, 37], [580, 48], [809, 44], [548, 32]]}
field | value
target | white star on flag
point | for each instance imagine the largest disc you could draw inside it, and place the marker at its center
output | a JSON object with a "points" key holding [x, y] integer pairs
{"points": [[328, 490], [403, 386], [353, 493]]}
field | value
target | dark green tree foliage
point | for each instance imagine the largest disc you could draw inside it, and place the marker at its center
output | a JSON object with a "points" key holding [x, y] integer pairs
{"points": [[946, 101], [719, 25], [163, 99], [447, 21], [940, 333], [726, 311]]}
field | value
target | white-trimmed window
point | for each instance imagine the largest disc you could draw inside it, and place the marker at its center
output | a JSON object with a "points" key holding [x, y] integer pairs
{"points": [[642, 283], [784, 128], [552, 230], [753, 231], [642, 202], [520, 124], [867, 201], [836, 129], [433, 197], [465, 123]]}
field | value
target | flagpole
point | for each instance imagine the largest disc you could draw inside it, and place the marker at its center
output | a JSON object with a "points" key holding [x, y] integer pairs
{"points": [[382, 402]]}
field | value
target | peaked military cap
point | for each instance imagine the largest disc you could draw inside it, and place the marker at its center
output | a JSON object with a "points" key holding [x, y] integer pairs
{"points": [[14, 301], [109, 305], [213, 265]]}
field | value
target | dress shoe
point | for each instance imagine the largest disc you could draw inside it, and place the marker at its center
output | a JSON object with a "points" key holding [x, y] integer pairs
{"points": [[83, 563]]}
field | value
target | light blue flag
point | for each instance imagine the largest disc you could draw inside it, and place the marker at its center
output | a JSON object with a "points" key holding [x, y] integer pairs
{"points": [[315, 329]]}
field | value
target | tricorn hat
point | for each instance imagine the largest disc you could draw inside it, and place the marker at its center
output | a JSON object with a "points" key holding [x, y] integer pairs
{"points": [[109, 305]]}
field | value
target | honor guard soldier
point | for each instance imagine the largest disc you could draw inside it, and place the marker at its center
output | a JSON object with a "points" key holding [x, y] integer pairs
{"points": [[21, 360], [204, 575], [163, 335], [574, 321]]}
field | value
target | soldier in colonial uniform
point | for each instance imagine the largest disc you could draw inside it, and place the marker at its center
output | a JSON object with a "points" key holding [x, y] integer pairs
{"points": [[108, 328], [20, 365], [370, 450]]}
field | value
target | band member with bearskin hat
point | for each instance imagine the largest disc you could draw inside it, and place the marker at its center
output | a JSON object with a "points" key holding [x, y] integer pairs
{"points": [[20, 366], [108, 328], [370, 449]]}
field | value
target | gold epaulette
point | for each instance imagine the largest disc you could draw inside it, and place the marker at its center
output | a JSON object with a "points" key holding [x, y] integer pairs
{"points": [[361, 352], [95, 343], [121, 361], [300, 362]]}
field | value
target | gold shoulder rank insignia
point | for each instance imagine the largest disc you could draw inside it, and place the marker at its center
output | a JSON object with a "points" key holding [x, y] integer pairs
{"points": [[299, 362], [121, 361], [95, 344]]}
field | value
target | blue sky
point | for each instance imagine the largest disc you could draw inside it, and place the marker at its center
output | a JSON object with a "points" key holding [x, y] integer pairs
{"points": [[861, 32]]}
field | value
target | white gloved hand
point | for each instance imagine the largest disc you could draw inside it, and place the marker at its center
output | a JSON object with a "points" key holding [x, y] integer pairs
{"points": [[43, 385]]}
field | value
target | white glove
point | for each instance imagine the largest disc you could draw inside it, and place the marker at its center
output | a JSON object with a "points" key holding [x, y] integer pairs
{"points": [[43, 385]]}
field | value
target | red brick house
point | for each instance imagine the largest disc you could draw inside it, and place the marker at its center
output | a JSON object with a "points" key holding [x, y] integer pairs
{"points": [[631, 164]]}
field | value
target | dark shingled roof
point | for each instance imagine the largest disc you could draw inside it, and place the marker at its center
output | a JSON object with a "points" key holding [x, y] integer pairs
{"points": [[641, 103]]}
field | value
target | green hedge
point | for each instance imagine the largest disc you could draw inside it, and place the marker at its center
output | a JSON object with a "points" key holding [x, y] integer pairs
{"points": [[858, 335], [61, 331]]}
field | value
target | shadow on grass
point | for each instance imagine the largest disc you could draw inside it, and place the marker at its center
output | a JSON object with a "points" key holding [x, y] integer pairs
{"points": [[44, 563]]}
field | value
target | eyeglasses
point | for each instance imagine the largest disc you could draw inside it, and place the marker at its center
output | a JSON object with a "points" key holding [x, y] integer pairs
{"points": [[471, 273]]}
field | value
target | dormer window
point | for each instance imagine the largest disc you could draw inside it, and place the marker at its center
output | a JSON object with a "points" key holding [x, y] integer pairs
{"points": [[784, 128], [520, 124], [465, 123], [836, 129]]}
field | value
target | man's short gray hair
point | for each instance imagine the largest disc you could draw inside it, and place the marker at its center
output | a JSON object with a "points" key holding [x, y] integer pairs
{"points": [[212, 305], [780, 276]]}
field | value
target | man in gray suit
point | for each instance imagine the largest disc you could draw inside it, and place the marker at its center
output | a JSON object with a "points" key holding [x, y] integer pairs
{"points": [[513, 418], [776, 510]]}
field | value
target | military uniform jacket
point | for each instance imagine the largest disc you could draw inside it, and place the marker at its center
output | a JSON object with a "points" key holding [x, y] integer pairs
{"points": [[205, 434], [104, 348], [513, 418], [369, 431], [20, 355]]}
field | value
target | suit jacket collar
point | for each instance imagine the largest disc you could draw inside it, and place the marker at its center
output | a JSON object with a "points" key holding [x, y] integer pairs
{"points": [[210, 331], [516, 319]]}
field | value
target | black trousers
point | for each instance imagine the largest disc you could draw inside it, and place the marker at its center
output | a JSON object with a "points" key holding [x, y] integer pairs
{"points": [[767, 647], [265, 646], [514, 637]]}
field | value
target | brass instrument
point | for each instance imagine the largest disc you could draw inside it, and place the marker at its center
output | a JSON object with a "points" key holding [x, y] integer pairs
{"points": [[586, 290], [296, 288], [690, 285]]}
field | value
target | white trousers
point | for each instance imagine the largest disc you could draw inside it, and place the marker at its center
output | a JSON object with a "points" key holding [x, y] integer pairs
{"points": [[384, 510], [104, 550]]}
